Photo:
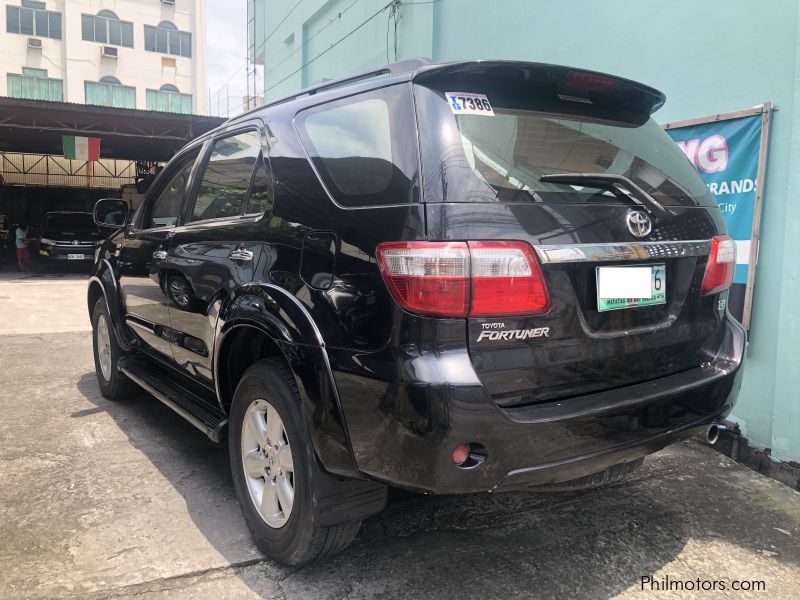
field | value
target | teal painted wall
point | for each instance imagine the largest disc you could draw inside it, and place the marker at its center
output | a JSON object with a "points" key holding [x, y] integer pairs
{"points": [[709, 57]]}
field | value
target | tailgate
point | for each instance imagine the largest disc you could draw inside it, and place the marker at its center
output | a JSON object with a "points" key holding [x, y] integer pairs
{"points": [[570, 162], [575, 348]]}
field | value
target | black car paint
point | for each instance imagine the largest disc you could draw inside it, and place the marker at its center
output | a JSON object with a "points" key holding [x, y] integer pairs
{"points": [[67, 240], [386, 394]]}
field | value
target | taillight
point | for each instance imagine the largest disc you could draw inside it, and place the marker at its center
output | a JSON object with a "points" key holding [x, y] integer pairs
{"points": [[721, 265], [506, 280], [592, 82], [427, 278], [459, 279]]}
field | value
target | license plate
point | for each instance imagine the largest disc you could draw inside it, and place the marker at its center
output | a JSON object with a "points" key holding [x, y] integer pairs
{"points": [[75, 256], [625, 287]]}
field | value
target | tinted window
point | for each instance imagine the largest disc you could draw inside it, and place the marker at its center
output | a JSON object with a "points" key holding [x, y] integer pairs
{"points": [[513, 149], [503, 156], [69, 222], [223, 191], [364, 147], [165, 209]]}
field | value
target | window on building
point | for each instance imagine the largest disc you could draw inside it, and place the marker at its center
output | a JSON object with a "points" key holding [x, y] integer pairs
{"points": [[31, 72], [167, 39], [169, 99], [223, 191], [34, 84], [32, 19], [106, 28], [110, 92]]}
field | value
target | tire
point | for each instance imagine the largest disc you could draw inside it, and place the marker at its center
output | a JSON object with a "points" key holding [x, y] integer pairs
{"points": [[113, 384], [297, 538], [613, 474], [180, 293]]}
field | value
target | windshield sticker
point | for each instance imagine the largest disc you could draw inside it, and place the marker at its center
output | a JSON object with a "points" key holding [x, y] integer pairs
{"points": [[466, 103]]}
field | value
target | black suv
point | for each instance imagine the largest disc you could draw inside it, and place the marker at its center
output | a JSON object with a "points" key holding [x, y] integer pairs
{"points": [[448, 278], [69, 237]]}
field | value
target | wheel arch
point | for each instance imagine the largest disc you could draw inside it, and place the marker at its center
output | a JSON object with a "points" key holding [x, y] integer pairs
{"points": [[261, 322], [103, 284]]}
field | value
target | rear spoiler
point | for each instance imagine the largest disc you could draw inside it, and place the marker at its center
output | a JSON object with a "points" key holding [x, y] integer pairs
{"points": [[545, 87]]}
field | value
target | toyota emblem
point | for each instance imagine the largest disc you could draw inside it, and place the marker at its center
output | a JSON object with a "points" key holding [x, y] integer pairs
{"points": [[639, 224], [75, 242]]}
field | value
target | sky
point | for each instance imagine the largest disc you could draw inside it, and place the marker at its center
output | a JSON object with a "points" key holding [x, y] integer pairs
{"points": [[226, 53]]}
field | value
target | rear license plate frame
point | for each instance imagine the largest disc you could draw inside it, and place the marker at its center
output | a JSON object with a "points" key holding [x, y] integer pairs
{"points": [[658, 289]]}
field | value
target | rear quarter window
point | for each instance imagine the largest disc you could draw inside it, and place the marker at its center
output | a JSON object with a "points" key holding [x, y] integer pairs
{"points": [[364, 147]]}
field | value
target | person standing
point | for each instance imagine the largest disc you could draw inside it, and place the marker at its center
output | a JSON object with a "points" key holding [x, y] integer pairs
{"points": [[23, 254]]}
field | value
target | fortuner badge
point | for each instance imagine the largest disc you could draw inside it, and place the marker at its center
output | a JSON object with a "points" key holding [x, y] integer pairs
{"points": [[514, 334]]}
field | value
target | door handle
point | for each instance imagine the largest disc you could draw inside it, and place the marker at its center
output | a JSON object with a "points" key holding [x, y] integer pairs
{"points": [[160, 254], [240, 254]]}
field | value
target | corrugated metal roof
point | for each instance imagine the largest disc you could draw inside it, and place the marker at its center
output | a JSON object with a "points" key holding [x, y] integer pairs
{"points": [[37, 126]]}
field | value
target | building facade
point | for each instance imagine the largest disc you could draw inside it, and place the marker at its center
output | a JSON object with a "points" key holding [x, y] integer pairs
{"points": [[143, 54], [708, 57]]}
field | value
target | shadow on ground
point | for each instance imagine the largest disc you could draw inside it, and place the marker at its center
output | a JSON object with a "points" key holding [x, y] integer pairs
{"points": [[592, 544]]}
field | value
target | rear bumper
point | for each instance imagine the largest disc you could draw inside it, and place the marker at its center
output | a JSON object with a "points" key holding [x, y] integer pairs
{"points": [[403, 434]]}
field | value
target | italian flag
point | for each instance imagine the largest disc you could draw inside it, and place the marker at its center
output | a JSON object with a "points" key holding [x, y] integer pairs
{"points": [[81, 148]]}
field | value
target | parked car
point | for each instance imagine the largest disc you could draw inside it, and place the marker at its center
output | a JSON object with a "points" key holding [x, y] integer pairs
{"points": [[68, 237], [447, 278]]}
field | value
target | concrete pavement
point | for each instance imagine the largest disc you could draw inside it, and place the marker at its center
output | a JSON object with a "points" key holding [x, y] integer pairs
{"points": [[49, 303], [118, 500]]}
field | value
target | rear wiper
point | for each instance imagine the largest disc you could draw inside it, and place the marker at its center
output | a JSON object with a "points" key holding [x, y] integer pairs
{"points": [[620, 183]]}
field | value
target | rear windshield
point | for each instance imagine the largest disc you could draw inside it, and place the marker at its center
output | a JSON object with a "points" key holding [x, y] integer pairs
{"points": [[502, 156], [68, 223]]}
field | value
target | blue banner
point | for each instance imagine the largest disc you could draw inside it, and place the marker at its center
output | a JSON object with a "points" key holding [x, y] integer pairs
{"points": [[725, 153]]}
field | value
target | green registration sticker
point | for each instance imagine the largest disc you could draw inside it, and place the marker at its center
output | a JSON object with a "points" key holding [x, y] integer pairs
{"points": [[658, 291]]}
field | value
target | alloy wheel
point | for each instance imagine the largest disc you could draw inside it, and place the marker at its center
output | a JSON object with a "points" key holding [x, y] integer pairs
{"points": [[103, 347], [268, 463], [179, 292]]}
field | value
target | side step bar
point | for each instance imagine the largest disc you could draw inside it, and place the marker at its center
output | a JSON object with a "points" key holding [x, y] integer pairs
{"points": [[187, 404]]}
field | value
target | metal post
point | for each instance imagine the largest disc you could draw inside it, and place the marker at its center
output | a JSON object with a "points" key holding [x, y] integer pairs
{"points": [[761, 179], [765, 110]]}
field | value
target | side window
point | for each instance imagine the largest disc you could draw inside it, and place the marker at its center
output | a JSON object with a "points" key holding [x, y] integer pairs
{"points": [[164, 210], [223, 191], [364, 147]]}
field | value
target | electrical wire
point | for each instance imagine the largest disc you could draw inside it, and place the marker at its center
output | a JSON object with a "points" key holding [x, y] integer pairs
{"points": [[304, 44], [395, 5], [329, 48], [255, 51], [278, 26], [393, 14]]}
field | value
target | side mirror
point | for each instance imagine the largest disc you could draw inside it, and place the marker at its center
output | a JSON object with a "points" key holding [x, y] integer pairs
{"points": [[110, 213]]}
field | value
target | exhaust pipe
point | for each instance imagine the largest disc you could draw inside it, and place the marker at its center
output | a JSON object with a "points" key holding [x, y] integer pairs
{"points": [[712, 435]]}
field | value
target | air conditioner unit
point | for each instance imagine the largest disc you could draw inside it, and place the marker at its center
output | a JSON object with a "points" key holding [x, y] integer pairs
{"points": [[109, 52], [35, 43]]}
